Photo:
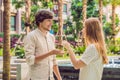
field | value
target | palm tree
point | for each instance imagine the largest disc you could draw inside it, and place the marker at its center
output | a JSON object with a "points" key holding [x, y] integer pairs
{"points": [[6, 44], [100, 10], [113, 16], [28, 11], [84, 11], [60, 19], [114, 4]]}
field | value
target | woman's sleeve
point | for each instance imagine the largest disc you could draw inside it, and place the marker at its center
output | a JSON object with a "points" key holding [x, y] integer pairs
{"points": [[89, 54]]}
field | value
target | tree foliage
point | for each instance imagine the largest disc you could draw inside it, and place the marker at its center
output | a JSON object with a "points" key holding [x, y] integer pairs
{"points": [[18, 3], [76, 11], [36, 5]]}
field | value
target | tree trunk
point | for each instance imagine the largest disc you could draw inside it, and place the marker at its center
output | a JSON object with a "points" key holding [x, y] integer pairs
{"points": [[60, 20], [28, 11], [84, 10], [6, 44], [113, 21], [100, 10], [47, 0], [84, 13]]}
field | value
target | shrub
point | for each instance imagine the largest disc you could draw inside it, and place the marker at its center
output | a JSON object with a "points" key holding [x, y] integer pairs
{"points": [[79, 49]]}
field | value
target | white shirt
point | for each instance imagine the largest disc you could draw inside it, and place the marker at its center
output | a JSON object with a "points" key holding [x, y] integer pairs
{"points": [[94, 65], [36, 43]]}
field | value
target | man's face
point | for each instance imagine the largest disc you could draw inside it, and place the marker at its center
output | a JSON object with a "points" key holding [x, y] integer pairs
{"points": [[46, 24]]}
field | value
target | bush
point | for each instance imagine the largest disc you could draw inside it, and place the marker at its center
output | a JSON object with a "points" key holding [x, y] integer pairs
{"points": [[13, 39], [79, 49], [114, 47], [1, 52], [19, 52]]}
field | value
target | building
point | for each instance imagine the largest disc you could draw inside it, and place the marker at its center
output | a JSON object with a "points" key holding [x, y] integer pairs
{"points": [[16, 19], [66, 9]]}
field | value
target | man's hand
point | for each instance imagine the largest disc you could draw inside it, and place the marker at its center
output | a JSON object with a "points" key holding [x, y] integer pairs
{"points": [[57, 52], [66, 44]]}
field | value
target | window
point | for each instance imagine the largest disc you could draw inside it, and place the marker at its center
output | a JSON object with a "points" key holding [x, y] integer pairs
{"points": [[13, 23], [55, 10], [65, 9], [22, 25]]}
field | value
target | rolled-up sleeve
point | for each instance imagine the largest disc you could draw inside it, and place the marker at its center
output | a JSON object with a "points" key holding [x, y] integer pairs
{"points": [[29, 46], [54, 60]]}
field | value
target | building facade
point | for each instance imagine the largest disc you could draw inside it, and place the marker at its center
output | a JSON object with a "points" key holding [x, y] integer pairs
{"points": [[15, 24], [16, 19]]}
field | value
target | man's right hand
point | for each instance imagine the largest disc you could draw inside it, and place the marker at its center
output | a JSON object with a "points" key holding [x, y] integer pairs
{"points": [[57, 52]]}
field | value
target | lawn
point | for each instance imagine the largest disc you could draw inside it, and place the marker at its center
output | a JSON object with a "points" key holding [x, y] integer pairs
{"points": [[66, 57]]}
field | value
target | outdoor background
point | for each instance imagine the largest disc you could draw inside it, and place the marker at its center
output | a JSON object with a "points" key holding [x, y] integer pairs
{"points": [[17, 20]]}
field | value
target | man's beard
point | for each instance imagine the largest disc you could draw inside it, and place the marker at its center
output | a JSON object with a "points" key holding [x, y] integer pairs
{"points": [[47, 29]]}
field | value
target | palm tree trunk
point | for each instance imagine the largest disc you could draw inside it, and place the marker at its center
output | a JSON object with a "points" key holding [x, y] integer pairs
{"points": [[113, 21], [100, 10], [84, 10], [60, 20], [47, 0], [84, 13], [28, 11], [6, 44]]}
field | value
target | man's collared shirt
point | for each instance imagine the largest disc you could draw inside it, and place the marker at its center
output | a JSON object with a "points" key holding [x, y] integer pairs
{"points": [[36, 43]]}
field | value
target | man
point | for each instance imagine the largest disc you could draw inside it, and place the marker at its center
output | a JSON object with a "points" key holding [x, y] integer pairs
{"points": [[40, 49]]}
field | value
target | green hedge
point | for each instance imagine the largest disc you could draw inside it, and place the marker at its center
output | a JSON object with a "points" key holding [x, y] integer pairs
{"points": [[11, 35]]}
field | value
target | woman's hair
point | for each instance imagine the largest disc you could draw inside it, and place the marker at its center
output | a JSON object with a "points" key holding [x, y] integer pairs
{"points": [[43, 14], [94, 34]]}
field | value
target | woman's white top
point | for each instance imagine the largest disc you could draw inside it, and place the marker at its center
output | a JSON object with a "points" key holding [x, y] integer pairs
{"points": [[94, 65]]}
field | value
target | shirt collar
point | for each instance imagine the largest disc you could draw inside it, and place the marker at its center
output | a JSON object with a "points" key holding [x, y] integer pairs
{"points": [[43, 33]]}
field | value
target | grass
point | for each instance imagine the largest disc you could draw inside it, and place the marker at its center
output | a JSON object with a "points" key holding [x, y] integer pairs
{"points": [[66, 57], [110, 54]]}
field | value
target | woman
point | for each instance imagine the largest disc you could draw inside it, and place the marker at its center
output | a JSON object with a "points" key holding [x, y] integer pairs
{"points": [[92, 60]]}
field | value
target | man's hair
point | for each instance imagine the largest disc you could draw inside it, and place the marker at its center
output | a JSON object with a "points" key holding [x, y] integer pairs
{"points": [[43, 14]]}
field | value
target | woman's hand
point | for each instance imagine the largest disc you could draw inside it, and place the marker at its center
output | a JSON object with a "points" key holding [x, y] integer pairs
{"points": [[66, 44]]}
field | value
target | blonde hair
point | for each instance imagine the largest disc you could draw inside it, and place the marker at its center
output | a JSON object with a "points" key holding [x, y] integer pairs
{"points": [[94, 34]]}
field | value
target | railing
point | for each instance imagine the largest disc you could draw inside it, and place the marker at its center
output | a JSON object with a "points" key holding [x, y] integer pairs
{"points": [[15, 73]]}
